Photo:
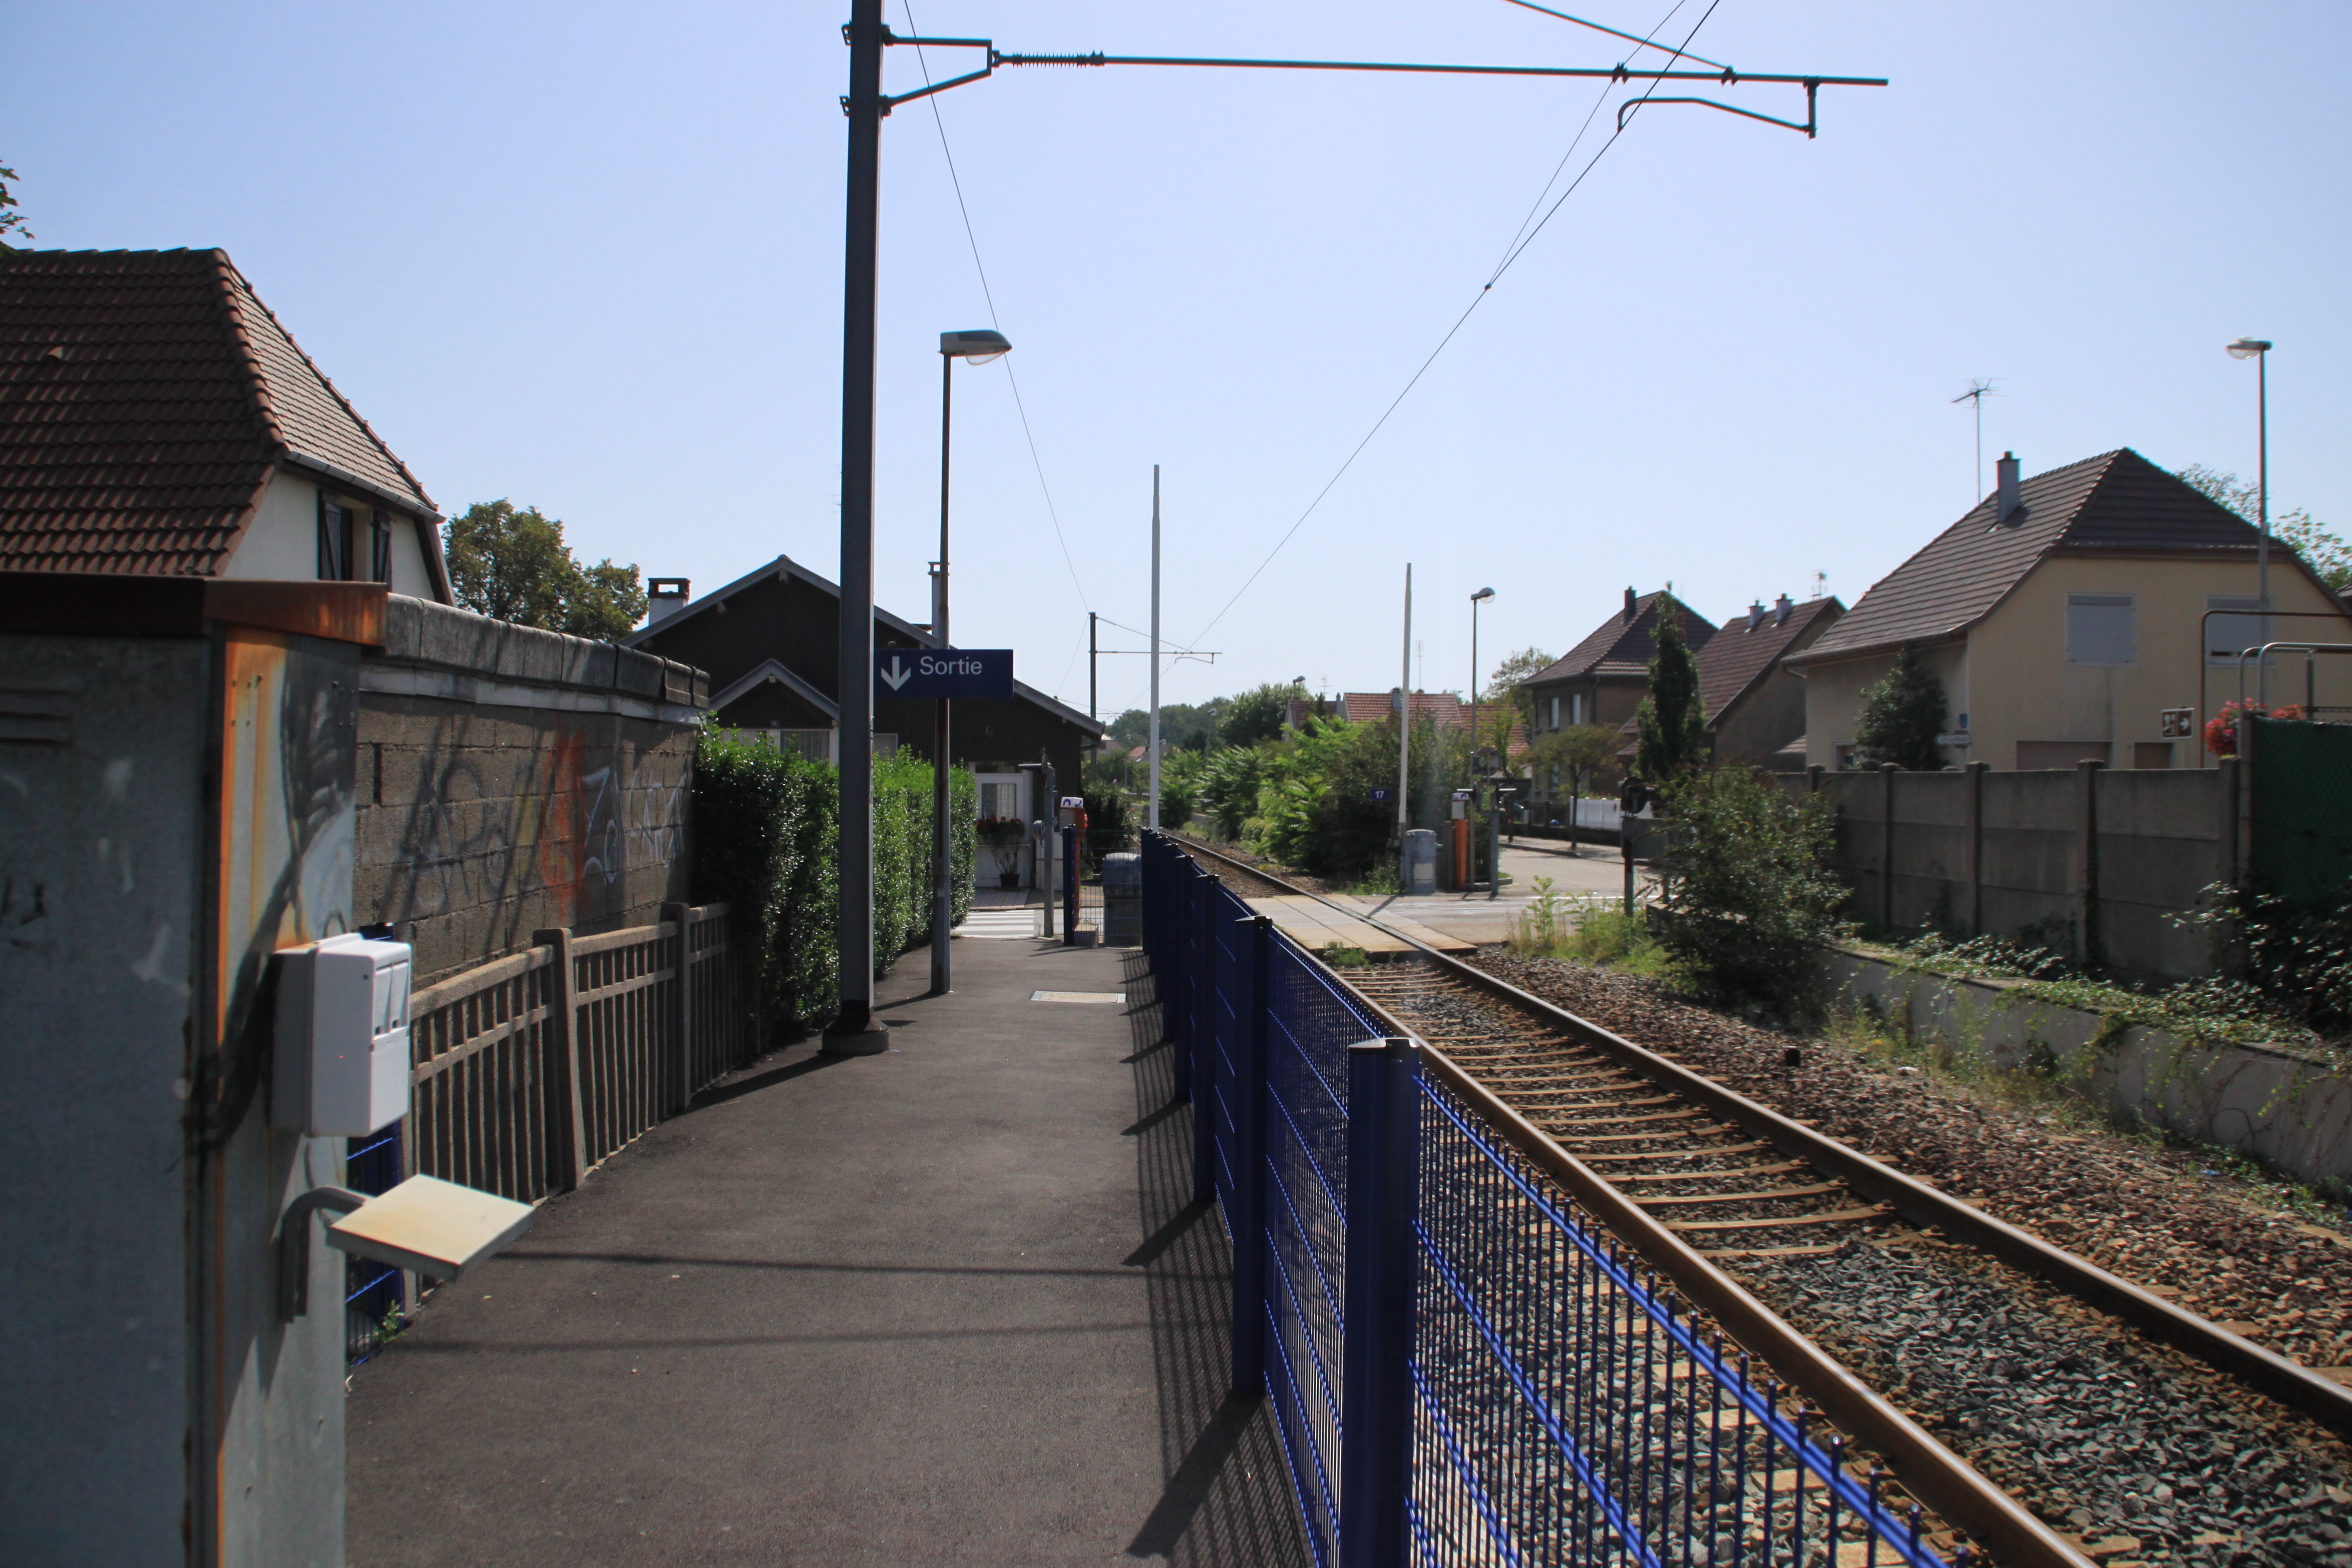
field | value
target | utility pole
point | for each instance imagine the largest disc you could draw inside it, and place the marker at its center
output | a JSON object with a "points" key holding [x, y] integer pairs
{"points": [[853, 1031], [1152, 813], [1405, 737], [1091, 655]]}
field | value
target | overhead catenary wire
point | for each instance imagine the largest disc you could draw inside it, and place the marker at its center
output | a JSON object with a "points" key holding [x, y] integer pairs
{"points": [[972, 238], [1510, 257]]}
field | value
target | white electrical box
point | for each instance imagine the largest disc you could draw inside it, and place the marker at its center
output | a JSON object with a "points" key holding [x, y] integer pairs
{"points": [[342, 1046]]}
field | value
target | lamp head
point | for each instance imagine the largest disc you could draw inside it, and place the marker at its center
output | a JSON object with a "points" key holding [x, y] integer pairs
{"points": [[2248, 348], [978, 346], [1483, 593]]}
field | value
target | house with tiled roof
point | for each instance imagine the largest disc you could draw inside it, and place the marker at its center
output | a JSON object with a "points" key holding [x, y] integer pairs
{"points": [[771, 640], [1754, 707], [2067, 614], [1603, 679], [157, 420]]}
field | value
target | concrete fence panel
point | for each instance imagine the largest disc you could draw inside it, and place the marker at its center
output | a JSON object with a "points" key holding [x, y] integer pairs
{"points": [[2092, 864]]}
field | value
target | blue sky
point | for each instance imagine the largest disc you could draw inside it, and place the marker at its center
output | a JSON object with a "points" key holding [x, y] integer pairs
{"points": [[588, 256]]}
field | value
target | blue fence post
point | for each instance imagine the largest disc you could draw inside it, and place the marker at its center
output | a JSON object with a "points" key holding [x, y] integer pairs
{"points": [[1376, 1398], [1208, 1013], [1248, 1219]]}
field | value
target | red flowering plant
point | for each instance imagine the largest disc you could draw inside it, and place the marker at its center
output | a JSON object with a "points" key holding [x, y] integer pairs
{"points": [[2221, 731]]}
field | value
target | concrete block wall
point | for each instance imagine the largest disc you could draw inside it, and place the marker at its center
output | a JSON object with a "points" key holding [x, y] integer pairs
{"points": [[2094, 864], [513, 779], [2291, 1111]]}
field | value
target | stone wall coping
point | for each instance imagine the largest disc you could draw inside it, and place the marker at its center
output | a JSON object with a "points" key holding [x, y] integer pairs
{"points": [[476, 654]]}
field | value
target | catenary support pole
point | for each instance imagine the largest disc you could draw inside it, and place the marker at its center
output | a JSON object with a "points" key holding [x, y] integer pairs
{"points": [[1405, 739], [1152, 819], [853, 1030]]}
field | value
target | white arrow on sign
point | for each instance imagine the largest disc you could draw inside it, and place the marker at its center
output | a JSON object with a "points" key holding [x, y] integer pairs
{"points": [[896, 675]]}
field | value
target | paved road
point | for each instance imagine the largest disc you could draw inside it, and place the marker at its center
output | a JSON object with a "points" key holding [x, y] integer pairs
{"points": [[947, 1305]]}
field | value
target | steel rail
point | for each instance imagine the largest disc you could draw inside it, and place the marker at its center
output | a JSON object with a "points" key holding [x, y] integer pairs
{"points": [[2288, 1382]]}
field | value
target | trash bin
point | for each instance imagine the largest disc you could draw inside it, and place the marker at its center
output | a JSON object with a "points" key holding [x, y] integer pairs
{"points": [[1420, 862], [1122, 885]]}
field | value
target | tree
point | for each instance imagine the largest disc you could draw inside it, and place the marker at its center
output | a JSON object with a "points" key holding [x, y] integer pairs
{"points": [[1261, 713], [1902, 715], [11, 220], [1508, 686], [1672, 727], [2323, 550], [514, 566], [1584, 754]]}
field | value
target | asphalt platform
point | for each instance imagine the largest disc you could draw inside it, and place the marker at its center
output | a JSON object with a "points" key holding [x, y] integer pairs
{"points": [[951, 1304]]}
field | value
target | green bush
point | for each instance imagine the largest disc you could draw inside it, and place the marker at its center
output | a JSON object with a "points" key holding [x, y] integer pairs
{"points": [[1746, 890], [767, 842]]}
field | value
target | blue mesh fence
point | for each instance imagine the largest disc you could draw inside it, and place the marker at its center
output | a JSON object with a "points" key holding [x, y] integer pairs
{"points": [[1550, 1401], [373, 1295]]}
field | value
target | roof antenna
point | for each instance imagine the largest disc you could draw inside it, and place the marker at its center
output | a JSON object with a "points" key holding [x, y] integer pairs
{"points": [[1821, 585], [1977, 392]]}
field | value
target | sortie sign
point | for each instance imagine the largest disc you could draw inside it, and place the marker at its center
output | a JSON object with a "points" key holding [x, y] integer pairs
{"points": [[930, 673]]}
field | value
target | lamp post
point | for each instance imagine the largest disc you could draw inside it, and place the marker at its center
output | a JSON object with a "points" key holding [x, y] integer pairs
{"points": [[1483, 593], [2258, 350], [1475, 599], [979, 347]]}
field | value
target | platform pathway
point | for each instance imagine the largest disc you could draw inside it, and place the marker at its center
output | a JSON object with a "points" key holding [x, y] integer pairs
{"points": [[947, 1305]]}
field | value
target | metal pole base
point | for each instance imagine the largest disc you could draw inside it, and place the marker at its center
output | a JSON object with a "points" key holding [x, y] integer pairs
{"points": [[857, 1032]]}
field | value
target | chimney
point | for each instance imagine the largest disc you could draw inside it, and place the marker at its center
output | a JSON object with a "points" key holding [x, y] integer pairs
{"points": [[2006, 487], [664, 597], [1632, 607], [1780, 610], [1755, 615]]}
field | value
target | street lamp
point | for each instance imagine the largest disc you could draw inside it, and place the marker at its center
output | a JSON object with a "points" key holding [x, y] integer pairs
{"points": [[1483, 593], [977, 347], [2258, 350]]}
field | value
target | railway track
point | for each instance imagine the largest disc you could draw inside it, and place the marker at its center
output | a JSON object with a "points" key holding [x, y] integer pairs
{"points": [[1811, 1222]]}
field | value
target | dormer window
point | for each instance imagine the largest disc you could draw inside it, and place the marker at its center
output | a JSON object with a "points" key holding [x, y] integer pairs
{"points": [[354, 543]]}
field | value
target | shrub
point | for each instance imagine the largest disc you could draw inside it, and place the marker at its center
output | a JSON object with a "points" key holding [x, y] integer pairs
{"points": [[2296, 957], [1747, 891], [767, 843]]}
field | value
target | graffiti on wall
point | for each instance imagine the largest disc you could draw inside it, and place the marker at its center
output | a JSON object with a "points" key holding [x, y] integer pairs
{"points": [[568, 819], [287, 815]]}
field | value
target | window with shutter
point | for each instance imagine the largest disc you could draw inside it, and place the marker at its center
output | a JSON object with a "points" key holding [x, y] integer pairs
{"points": [[380, 547], [334, 539], [2100, 629], [2229, 636]]}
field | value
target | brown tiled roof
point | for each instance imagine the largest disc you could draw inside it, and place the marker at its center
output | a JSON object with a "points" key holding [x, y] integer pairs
{"points": [[2117, 501], [1370, 707], [145, 397], [1735, 658], [1621, 647]]}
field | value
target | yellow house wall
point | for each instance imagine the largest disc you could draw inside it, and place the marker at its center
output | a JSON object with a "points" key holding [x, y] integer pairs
{"points": [[1833, 697], [2011, 678], [2026, 691]]}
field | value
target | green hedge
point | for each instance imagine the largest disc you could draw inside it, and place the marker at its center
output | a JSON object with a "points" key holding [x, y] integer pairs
{"points": [[766, 842]]}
